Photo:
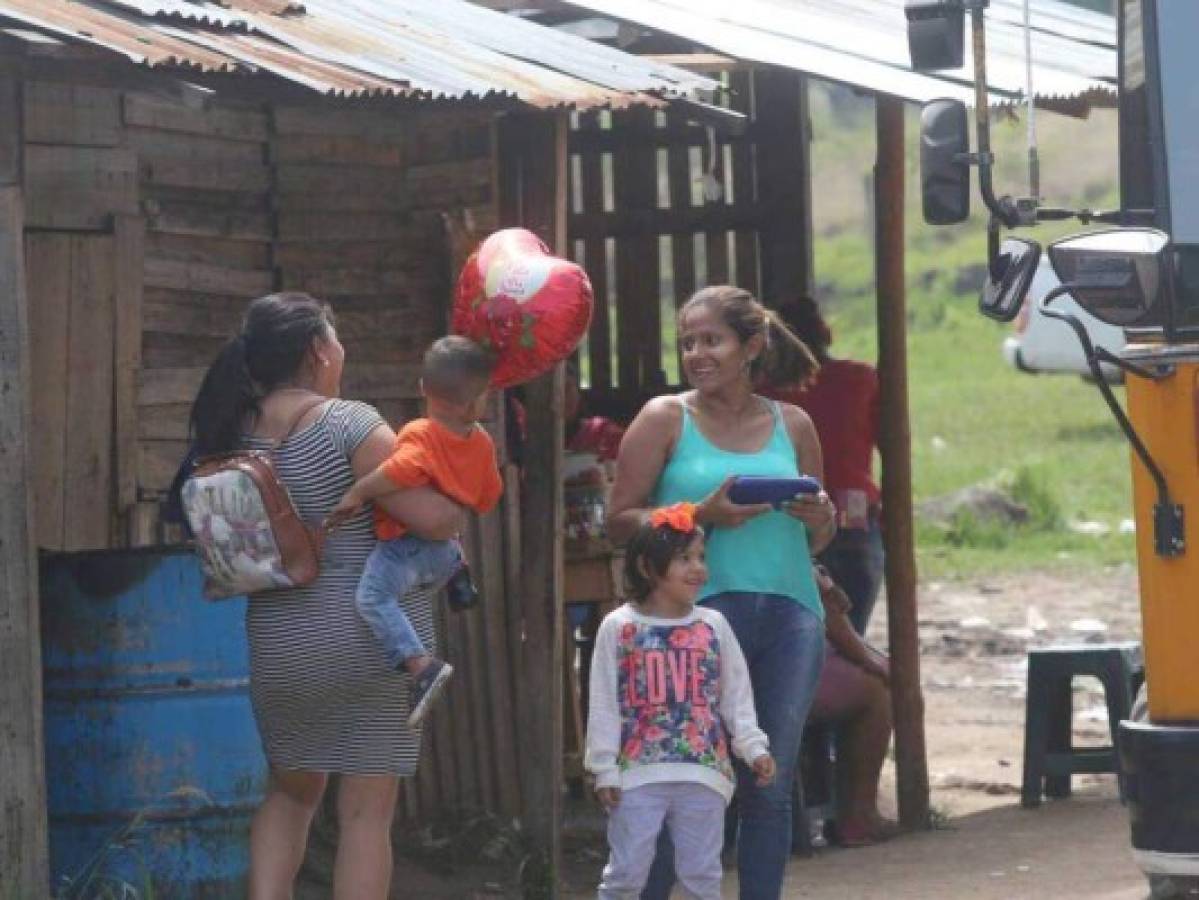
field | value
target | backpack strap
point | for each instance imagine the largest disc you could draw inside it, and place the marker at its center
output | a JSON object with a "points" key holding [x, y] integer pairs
{"points": [[321, 531]]}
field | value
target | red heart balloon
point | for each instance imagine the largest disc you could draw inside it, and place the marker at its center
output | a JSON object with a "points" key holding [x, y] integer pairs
{"points": [[527, 306]]}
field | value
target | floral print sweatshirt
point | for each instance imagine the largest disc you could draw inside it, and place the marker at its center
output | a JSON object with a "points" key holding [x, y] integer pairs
{"points": [[664, 692]]}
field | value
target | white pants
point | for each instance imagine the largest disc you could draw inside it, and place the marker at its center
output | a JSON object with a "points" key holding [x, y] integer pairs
{"points": [[695, 815]]}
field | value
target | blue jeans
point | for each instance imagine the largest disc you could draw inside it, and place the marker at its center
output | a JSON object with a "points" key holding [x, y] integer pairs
{"points": [[393, 569], [783, 642], [855, 560]]}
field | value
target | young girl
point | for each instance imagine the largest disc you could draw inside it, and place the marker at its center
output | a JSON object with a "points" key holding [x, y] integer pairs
{"points": [[667, 680]]}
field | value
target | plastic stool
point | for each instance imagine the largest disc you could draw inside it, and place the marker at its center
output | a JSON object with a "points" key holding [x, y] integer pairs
{"points": [[1049, 755]]}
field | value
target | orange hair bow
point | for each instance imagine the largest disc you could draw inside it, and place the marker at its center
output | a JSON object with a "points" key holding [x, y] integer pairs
{"points": [[678, 517]]}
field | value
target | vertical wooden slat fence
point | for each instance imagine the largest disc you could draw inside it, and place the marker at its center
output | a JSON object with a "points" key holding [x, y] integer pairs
{"points": [[669, 238]]}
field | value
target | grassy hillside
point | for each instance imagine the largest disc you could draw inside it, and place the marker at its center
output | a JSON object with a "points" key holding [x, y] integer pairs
{"points": [[974, 420]]}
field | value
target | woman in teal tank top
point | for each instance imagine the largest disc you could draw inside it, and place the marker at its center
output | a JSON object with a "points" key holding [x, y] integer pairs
{"points": [[690, 447]]}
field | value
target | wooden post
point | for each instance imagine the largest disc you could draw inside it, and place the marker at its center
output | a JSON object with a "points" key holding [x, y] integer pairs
{"points": [[533, 194], [784, 183], [129, 235], [638, 280], [895, 446], [24, 870]]}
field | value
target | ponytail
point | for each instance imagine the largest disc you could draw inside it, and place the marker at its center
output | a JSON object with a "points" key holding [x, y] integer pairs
{"points": [[226, 399], [785, 360], [277, 334]]}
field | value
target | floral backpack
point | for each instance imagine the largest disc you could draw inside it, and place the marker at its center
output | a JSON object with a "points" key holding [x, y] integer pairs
{"points": [[245, 527]]}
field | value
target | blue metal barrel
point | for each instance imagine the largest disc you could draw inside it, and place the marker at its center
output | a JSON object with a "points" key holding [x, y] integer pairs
{"points": [[153, 763]]}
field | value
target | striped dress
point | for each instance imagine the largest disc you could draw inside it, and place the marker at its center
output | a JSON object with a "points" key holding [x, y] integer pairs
{"points": [[324, 698]]}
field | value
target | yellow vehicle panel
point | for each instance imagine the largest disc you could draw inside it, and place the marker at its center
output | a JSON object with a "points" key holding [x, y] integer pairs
{"points": [[1164, 414]]}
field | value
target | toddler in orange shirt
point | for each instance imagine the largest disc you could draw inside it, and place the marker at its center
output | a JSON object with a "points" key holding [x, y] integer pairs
{"points": [[450, 451]]}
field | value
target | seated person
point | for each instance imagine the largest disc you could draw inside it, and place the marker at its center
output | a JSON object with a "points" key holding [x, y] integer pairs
{"points": [[854, 698]]}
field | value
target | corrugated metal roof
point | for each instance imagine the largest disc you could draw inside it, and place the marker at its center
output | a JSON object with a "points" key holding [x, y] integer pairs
{"points": [[864, 43], [431, 49]]}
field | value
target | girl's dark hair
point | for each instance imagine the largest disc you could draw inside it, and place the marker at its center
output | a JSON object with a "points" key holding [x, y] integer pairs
{"points": [[276, 334], [648, 556], [802, 316], [785, 360]]}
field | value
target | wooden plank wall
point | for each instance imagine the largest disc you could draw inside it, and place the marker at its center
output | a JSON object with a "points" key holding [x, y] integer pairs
{"points": [[70, 285], [78, 175], [639, 212], [23, 833], [212, 205], [204, 185], [358, 199]]}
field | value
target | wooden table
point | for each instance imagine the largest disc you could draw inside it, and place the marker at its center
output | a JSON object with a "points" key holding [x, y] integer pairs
{"points": [[593, 574]]}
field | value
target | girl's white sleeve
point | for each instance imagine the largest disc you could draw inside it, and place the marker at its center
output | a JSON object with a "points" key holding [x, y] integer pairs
{"points": [[737, 696], [603, 717]]}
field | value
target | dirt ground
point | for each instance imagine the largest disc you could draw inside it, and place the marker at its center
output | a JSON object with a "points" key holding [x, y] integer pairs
{"points": [[974, 637]]}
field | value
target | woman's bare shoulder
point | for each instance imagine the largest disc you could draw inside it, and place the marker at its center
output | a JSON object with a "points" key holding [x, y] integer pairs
{"points": [[794, 417], [654, 429], [663, 408]]}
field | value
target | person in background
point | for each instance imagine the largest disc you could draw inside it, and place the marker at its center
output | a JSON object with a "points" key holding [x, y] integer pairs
{"points": [[842, 400], [853, 698]]}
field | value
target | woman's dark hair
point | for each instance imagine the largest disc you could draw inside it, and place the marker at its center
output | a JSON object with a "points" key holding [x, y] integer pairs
{"points": [[276, 334], [648, 556], [802, 316], [785, 360]]}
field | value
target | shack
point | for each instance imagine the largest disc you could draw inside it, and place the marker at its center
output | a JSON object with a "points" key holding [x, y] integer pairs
{"points": [[160, 164]]}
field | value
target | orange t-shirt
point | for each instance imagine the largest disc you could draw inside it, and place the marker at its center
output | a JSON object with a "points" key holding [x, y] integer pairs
{"points": [[462, 468]]}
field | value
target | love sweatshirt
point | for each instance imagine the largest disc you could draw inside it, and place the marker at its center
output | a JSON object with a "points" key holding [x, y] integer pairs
{"points": [[663, 693]]}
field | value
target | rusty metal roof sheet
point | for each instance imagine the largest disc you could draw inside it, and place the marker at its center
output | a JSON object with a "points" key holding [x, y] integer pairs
{"points": [[427, 49], [864, 43]]}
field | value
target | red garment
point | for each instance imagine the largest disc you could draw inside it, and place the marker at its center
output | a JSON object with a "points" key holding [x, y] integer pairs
{"points": [[843, 404], [596, 435], [462, 468]]}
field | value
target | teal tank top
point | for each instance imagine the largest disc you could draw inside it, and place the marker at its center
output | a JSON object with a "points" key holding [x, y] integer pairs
{"points": [[769, 553]]}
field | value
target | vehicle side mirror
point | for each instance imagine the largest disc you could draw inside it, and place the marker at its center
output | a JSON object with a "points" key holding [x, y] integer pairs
{"points": [[944, 165], [936, 30], [1009, 275], [1118, 276]]}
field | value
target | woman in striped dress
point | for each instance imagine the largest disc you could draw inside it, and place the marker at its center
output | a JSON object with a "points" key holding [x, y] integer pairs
{"points": [[324, 698]]}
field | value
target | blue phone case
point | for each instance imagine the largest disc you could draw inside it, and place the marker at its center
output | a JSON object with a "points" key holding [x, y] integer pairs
{"points": [[748, 489]]}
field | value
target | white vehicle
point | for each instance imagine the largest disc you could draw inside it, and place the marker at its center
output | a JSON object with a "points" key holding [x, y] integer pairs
{"points": [[1042, 344]]}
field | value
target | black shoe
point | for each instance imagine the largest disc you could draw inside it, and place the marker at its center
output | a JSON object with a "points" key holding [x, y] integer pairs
{"points": [[460, 591], [426, 689]]}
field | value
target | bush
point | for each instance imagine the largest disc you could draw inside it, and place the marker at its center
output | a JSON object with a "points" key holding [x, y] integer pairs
{"points": [[968, 530], [1031, 490]]}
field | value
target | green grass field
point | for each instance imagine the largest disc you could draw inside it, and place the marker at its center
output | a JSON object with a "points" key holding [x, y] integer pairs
{"points": [[1048, 439]]}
